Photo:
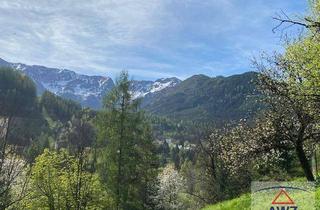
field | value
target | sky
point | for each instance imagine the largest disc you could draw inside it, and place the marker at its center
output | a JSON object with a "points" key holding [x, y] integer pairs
{"points": [[150, 39]]}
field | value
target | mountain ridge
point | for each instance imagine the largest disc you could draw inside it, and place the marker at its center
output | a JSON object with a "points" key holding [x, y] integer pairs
{"points": [[214, 99], [87, 90], [197, 98]]}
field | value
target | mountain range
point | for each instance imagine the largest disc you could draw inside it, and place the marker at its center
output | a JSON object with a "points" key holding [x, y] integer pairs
{"points": [[87, 90], [197, 98]]}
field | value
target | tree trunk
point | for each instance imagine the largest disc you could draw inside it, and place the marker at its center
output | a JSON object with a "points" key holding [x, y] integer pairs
{"points": [[305, 164], [119, 178]]}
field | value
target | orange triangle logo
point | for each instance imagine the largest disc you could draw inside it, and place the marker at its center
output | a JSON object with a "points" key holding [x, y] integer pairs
{"points": [[280, 197]]}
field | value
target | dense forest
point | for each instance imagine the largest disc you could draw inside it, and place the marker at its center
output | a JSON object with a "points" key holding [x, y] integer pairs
{"points": [[204, 99], [183, 152]]}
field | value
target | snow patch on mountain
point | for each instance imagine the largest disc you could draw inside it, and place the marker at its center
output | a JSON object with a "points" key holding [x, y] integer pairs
{"points": [[142, 88], [161, 84], [87, 90]]}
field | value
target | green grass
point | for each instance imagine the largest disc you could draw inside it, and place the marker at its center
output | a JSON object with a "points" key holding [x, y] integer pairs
{"points": [[243, 202]]}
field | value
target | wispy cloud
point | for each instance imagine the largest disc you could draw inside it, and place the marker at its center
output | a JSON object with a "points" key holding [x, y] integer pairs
{"points": [[151, 39]]}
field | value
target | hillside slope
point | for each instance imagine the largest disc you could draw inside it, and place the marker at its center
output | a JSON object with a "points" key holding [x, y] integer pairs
{"points": [[202, 98], [244, 203]]}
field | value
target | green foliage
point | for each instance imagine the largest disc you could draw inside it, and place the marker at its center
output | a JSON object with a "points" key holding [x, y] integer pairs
{"points": [[37, 147], [290, 84], [78, 134], [164, 152], [54, 181], [175, 158], [17, 94], [127, 161], [58, 108]]}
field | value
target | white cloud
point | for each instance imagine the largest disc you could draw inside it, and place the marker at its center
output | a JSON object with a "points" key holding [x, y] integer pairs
{"points": [[151, 38]]}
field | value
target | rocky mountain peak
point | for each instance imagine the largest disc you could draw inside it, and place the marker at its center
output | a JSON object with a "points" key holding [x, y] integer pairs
{"points": [[87, 90]]}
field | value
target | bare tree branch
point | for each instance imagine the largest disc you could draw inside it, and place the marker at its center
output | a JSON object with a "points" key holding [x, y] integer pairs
{"points": [[306, 22]]}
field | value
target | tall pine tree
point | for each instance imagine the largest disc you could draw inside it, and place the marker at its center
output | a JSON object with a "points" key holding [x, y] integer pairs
{"points": [[127, 160]]}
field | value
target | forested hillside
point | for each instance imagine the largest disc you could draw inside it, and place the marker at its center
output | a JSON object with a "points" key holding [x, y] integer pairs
{"points": [[201, 98]]}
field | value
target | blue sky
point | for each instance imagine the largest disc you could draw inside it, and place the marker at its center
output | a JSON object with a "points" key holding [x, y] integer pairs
{"points": [[149, 38]]}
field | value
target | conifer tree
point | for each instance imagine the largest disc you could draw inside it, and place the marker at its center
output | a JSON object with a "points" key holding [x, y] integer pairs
{"points": [[127, 162]]}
